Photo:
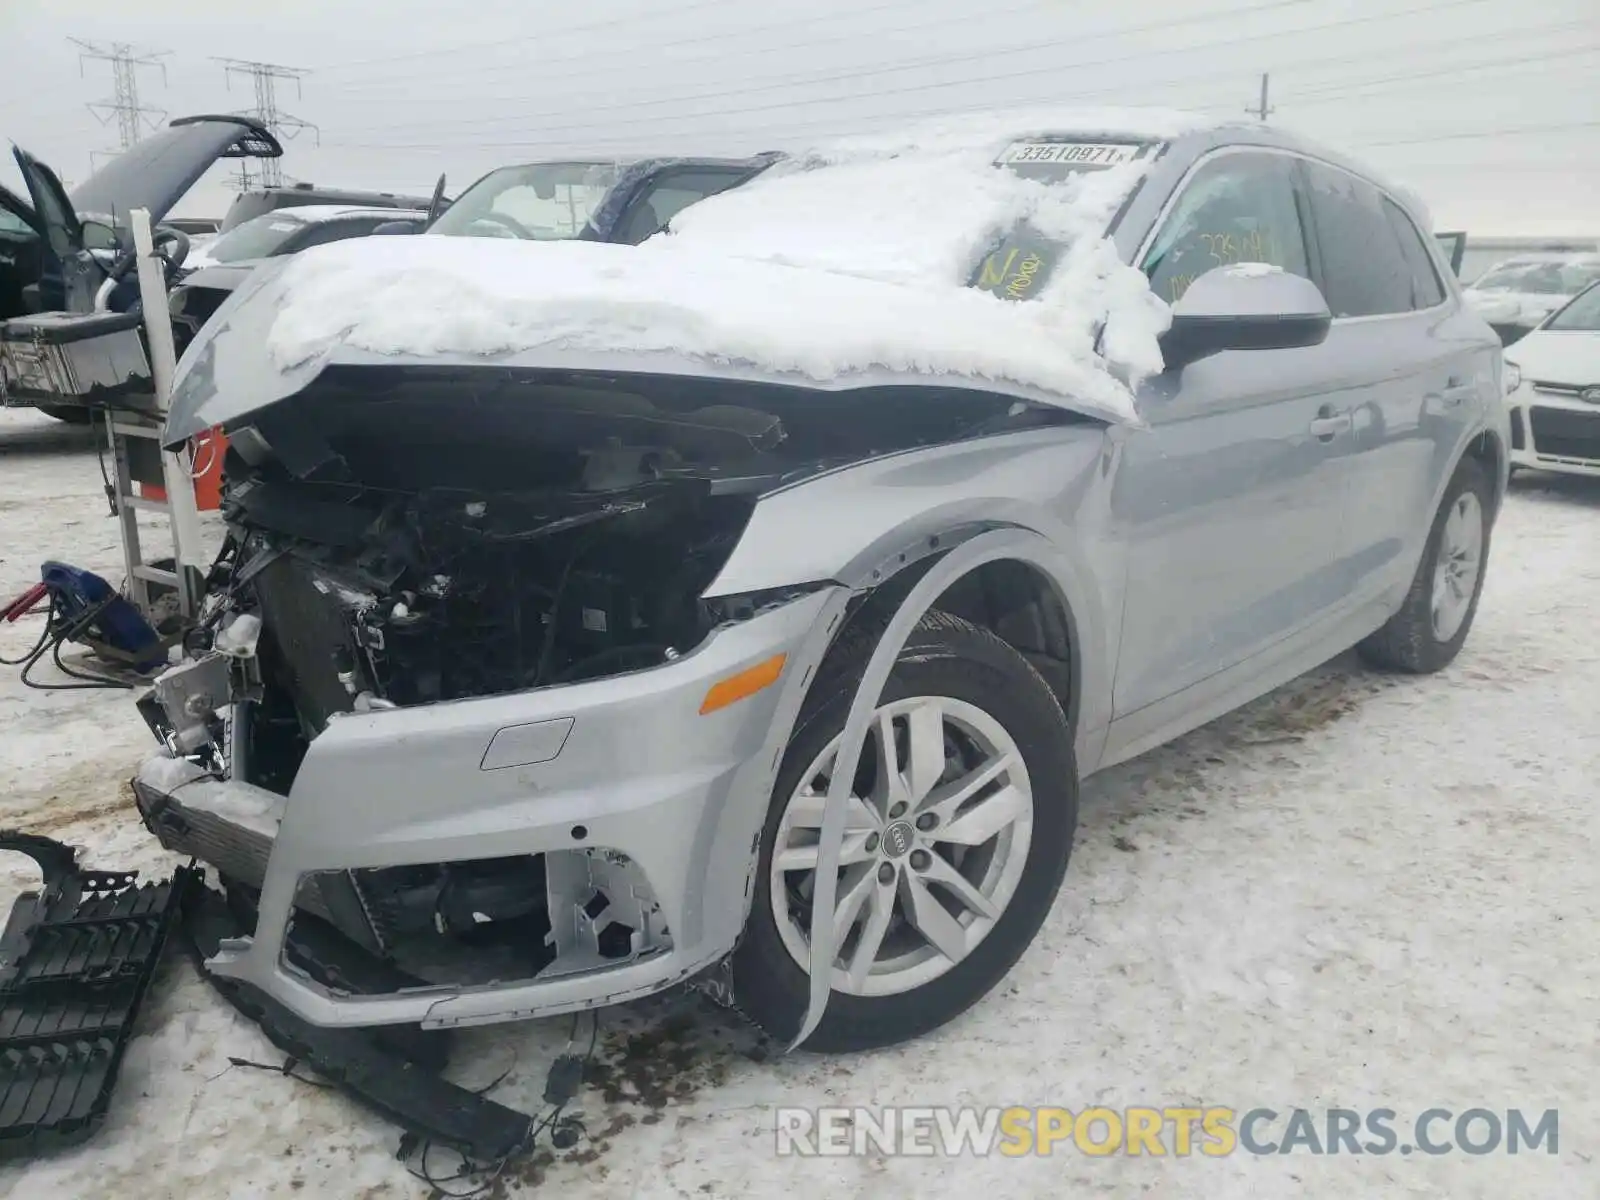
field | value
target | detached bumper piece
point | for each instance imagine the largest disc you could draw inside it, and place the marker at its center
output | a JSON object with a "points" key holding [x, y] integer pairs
{"points": [[75, 961], [367, 1064]]}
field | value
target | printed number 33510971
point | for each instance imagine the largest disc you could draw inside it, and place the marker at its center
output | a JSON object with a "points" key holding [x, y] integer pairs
{"points": [[1096, 154]]}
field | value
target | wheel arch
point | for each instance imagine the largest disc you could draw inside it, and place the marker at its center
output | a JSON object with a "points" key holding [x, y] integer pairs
{"points": [[1488, 448], [1014, 598], [1020, 573]]}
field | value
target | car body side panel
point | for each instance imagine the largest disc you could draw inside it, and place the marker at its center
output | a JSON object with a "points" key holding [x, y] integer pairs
{"points": [[1432, 377], [860, 525], [1230, 509]]}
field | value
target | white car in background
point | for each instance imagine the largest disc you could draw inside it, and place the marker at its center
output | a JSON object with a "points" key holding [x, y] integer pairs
{"points": [[1514, 296], [1553, 386]]}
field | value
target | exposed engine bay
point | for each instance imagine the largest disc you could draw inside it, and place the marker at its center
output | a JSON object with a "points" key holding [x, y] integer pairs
{"points": [[400, 538]]}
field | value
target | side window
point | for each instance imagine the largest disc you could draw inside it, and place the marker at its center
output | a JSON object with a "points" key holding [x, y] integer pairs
{"points": [[1426, 290], [1237, 208], [1365, 270], [667, 197]]}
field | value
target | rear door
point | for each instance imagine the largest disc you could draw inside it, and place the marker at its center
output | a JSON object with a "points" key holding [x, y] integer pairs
{"points": [[70, 275], [1410, 367], [1230, 501]]}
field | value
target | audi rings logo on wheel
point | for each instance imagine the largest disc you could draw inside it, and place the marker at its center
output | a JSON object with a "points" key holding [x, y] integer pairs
{"points": [[897, 839]]}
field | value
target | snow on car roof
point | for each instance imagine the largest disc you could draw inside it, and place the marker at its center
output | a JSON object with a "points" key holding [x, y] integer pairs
{"points": [[850, 258]]}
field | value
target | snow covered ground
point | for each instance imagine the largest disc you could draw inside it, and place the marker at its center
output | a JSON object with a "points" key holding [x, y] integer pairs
{"points": [[1361, 891]]}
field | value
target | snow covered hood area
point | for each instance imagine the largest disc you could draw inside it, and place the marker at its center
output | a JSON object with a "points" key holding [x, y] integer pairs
{"points": [[849, 259]]}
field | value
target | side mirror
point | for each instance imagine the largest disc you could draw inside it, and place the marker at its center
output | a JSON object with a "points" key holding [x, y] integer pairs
{"points": [[1247, 306], [394, 227]]}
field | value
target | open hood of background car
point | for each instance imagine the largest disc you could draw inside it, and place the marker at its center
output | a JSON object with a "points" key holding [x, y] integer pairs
{"points": [[155, 173]]}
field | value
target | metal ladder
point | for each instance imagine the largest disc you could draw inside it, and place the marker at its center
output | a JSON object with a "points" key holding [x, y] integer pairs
{"points": [[125, 427]]}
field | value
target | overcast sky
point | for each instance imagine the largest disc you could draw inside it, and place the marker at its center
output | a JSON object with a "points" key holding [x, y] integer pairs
{"points": [[1490, 110]]}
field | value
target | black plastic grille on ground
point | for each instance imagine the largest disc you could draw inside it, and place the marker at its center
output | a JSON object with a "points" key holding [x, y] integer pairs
{"points": [[75, 960]]}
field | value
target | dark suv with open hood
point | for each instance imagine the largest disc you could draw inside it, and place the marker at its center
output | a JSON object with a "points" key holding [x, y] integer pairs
{"points": [[66, 251]]}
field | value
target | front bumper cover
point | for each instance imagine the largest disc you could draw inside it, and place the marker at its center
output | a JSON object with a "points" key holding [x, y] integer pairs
{"points": [[637, 772]]}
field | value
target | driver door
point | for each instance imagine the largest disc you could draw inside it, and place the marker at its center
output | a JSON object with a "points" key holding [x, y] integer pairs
{"points": [[70, 273], [1231, 500]]}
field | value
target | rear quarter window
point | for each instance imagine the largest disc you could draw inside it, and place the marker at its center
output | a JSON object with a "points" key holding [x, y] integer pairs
{"points": [[1365, 269], [1426, 288]]}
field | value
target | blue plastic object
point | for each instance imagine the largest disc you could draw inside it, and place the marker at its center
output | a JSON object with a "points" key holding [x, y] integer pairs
{"points": [[119, 624]]}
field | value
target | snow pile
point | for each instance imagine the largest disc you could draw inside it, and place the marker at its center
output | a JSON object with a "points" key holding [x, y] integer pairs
{"points": [[167, 774], [425, 297], [1251, 270], [241, 804], [848, 259]]}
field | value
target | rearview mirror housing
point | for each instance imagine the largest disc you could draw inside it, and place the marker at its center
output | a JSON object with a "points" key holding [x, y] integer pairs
{"points": [[394, 227], [1247, 306]]}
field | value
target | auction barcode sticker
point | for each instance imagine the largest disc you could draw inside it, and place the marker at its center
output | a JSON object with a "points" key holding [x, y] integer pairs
{"points": [[1086, 154]]}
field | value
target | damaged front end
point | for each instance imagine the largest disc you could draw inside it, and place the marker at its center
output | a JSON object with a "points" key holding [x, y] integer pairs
{"points": [[458, 690]]}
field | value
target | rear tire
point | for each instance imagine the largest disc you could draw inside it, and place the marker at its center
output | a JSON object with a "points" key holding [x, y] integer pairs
{"points": [[951, 667], [1415, 640]]}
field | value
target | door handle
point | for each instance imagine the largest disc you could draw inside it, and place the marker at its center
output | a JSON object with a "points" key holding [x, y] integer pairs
{"points": [[1330, 424]]}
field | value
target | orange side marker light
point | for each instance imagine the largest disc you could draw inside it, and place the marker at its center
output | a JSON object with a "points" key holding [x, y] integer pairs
{"points": [[746, 683]]}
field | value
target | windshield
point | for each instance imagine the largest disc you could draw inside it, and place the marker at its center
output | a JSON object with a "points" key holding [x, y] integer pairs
{"points": [[260, 237], [537, 202], [1581, 315], [1552, 278], [1020, 265]]}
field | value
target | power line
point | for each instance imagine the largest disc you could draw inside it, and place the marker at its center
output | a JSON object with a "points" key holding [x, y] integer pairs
{"points": [[1340, 91], [776, 46], [497, 43], [1052, 69], [652, 99], [772, 83], [123, 106], [1504, 131], [265, 77]]}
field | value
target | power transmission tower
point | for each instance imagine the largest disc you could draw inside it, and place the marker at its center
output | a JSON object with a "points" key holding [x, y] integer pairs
{"points": [[123, 106], [1261, 109], [265, 77]]}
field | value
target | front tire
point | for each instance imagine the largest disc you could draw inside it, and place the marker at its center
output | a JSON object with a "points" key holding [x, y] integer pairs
{"points": [[1428, 631], [951, 859]]}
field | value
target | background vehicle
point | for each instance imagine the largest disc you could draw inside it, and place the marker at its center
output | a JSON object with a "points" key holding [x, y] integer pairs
{"points": [[591, 201], [250, 205], [1514, 296], [1554, 390], [84, 247], [867, 564], [212, 273], [21, 256]]}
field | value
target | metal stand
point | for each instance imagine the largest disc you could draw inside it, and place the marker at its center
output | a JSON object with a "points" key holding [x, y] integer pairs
{"points": [[179, 506]]}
